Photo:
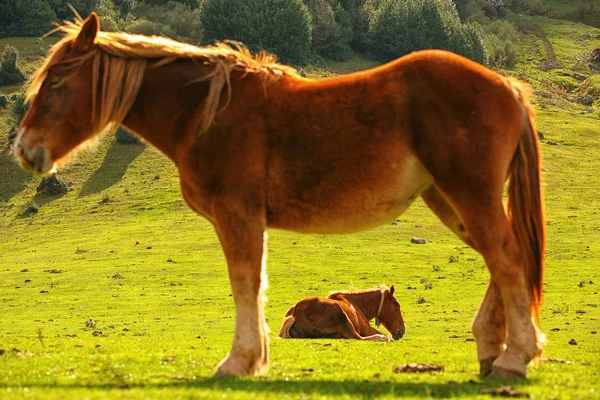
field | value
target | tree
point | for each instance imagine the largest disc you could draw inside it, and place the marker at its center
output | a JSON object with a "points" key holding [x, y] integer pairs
{"points": [[331, 29], [25, 17], [403, 26], [278, 26]]}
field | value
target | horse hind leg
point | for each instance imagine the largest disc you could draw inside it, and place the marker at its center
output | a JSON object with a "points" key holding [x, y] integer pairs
{"points": [[489, 325], [494, 238]]}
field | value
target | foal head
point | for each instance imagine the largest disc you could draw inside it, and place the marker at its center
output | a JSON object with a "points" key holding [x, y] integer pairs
{"points": [[390, 315]]}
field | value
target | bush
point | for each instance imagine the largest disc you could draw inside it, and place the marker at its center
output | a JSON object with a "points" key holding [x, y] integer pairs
{"points": [[10, 73], [51, 186], [17, 107], [108, 15], [403, 26], [501, 41], [144, 27], [172, 19], [331, 29], [282, 27], [25, 17], [64, 12], [3, 100]]}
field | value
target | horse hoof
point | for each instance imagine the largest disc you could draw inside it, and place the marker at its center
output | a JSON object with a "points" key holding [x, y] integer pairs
{"points": [[233, 366], [485, 366], [499, 372]]}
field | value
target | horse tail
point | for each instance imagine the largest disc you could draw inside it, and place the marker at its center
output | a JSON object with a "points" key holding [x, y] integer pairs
{"points": [[525, 206], [288, 322]]}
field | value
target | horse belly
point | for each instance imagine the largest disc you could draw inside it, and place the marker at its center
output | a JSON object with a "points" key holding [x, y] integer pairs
{"points": [[345, 204]]}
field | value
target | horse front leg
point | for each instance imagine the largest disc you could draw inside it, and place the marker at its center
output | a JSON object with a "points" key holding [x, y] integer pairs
{"points": [[243, 239]]}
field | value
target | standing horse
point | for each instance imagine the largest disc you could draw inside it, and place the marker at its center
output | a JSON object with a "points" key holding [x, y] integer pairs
{"points": [[345, 315], [257, 146]]}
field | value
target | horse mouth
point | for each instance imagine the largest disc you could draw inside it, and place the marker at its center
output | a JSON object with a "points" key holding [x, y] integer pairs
{"points": [[398, 335], [37, 161]]}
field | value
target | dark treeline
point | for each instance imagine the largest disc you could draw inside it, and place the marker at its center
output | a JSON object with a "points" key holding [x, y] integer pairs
{"points": [[298, 31]]}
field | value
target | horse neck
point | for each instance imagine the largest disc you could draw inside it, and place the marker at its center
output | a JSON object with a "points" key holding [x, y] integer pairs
{"points": [[367, 302], [165, 110]]}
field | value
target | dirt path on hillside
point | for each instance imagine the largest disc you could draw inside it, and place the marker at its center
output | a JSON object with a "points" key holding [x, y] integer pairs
{"points": [[551, 62]]}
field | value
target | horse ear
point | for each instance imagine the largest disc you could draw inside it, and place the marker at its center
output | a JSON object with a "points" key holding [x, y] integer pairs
{"points": [[392, 290], [85, 39]]}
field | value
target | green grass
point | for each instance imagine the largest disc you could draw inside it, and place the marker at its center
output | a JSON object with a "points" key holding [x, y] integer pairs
{"points": [[122, 250]]}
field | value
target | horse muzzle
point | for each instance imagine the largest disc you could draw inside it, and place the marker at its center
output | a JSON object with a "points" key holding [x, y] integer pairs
{"points": [[34, 159], [399, 334]]}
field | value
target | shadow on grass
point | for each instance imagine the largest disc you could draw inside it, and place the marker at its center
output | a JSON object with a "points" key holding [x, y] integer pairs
{"points": [[43, 199], [13, 177], [354, 388], [114, 166]]}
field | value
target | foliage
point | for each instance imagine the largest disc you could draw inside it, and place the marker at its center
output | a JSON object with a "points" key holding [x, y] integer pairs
{"points": [[10, 73], [282, 27], [536, 7], [402, 26], [107, 11], [144, 26], [63, 11], [25, 17], [172, 19], [501, 41], [17, 107], [331, 29]]}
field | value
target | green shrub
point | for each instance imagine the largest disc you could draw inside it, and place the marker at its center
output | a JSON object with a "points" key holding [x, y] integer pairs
{"points": [[107, 11], [17, 107], [403, 26], [64, 12], [172, 19], [3, 100], [282, 27], [10, 73], [25, 17], [145, 27], [331, 29], [501, 41]]}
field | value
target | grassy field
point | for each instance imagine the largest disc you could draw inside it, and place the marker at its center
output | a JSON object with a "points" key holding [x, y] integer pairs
{"points": [[117, 290]]}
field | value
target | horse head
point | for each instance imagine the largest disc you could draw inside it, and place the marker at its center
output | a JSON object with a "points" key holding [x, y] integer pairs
{"points": [[390, 314]]}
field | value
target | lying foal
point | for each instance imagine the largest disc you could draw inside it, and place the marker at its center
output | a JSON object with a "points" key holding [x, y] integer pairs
{"points": [[345, 315]]}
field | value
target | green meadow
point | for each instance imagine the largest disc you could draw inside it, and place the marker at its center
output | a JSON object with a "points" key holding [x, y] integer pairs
{"points": [[117, 290]]}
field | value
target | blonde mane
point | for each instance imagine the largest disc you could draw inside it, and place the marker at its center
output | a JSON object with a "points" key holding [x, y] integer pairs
{"points": [[125, 57], [377, 289]]}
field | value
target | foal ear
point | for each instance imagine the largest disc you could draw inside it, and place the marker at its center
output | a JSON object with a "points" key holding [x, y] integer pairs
{"points": [[392, 290], [85, 39]]}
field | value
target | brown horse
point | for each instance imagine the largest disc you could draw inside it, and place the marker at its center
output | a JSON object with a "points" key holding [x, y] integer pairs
{"points": [[345, 315], [257, 146]]}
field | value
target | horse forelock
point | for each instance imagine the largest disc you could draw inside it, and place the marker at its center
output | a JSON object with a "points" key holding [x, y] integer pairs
{"points": [[124, 58]]}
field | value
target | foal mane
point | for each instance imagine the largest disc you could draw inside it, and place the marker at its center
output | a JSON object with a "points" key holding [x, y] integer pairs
{"points": [[120, 60], [377, 289]]}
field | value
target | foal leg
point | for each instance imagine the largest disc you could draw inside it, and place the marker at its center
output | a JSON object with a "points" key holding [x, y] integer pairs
{"points": [[489, 326], [244, 243]]}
